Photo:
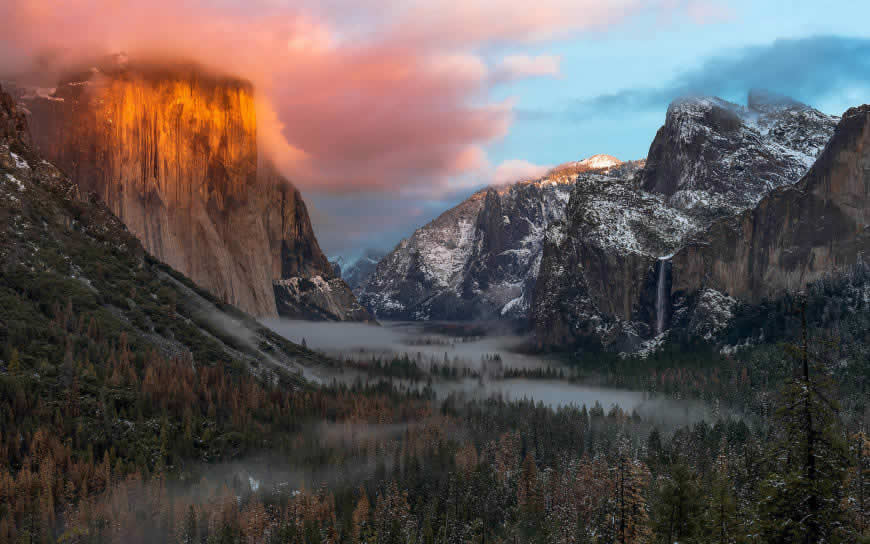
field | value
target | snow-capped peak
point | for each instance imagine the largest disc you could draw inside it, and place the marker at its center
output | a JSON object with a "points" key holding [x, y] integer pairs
{"points": [[568, 170], [600, 161]]}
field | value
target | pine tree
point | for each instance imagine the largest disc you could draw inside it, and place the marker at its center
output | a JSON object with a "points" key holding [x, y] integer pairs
{"points": [[677, 506], [361, 518], [632, 517], [720, 518], [529, 498], [801, 498]]}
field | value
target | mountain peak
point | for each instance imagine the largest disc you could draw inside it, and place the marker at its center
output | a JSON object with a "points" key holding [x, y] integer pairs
{"points": [[595, 162], [600, 161], [700, 103]]}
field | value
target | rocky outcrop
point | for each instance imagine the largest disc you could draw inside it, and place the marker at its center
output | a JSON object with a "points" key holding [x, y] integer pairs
{"points": [[606, 274], [716, 157], [318, 298], [425, 268], [598, 277], [795, 235], [173, 152], [480, 259]]}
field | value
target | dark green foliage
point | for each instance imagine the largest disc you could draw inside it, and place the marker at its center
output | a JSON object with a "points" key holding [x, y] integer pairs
{"points": [[801, 498], [677, 512]]}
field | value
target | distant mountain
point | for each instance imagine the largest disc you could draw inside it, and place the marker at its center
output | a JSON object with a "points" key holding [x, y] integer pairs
{"points": [[357, 272], [606, 274], [717, 157], [480, 259], [173, 152]]}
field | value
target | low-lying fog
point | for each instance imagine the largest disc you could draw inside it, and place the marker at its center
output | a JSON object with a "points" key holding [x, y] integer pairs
{"points": [[361, 341]]}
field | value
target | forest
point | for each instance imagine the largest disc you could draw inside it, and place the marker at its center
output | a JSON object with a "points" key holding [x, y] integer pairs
{"points": [[109, 441]]}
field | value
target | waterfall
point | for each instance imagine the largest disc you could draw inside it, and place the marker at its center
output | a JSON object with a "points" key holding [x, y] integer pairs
{"points": [[661, 295]]}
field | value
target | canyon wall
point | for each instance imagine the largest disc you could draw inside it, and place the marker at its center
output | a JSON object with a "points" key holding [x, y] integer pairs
{"points": [[479, 259], [795, 235]]}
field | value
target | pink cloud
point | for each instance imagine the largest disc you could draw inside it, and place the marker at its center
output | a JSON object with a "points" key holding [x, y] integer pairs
{"points": [[390, 95], [515, 67]]}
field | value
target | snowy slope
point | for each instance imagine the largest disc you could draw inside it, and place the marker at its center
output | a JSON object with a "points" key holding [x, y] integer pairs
{"points": [[478, 259]]}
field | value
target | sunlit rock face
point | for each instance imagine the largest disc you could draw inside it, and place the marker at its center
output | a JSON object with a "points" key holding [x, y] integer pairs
{"points": [[173, 152]]}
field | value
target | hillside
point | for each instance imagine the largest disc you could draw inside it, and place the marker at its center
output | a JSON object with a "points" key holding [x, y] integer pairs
{"points": [[72, 273]]}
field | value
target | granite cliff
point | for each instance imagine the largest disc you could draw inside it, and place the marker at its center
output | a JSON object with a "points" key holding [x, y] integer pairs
{"points": [[797, 234], [69, 268], [172, 150]]}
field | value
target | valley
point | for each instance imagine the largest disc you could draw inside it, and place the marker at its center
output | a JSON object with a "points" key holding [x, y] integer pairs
{"points": [[667, 348]]}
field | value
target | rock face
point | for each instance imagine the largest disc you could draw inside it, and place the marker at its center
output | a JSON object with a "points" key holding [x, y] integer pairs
{"points": [[720, 158], [318, 298], [478, 260], [795, 235], [173, 152], [606, 275]]}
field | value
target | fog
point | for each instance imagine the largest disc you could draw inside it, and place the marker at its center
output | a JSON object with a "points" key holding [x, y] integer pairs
{"points": [[393, 338], [664, 412], [361, 341]]}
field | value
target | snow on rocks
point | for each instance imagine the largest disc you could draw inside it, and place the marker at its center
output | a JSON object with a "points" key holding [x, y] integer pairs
{"points": [[712, 313], [712, 159], [15, 181], [477, 259], [19, 162]]}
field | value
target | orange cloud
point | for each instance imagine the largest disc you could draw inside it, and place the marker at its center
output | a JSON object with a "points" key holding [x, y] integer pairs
{"points": [[383, 96], [517, 170]]}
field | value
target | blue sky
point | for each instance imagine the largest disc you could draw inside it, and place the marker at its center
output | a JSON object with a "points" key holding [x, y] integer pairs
{"points": [[614, 87]]}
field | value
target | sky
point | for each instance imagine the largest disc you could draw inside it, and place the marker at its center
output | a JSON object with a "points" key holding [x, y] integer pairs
{"points": [[387, 112]]}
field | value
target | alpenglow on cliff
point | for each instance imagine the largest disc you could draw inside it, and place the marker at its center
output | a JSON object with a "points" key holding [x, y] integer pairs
{"points": [[172, 150]]}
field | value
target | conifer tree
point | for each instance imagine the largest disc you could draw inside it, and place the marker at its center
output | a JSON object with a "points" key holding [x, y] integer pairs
{"points": [[14, 362], [801, 498], [720, 518], [677, 506]]}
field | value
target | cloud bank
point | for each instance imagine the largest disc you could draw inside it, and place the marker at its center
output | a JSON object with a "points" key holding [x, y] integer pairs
{"points": [[383, 97], [828, 72]]}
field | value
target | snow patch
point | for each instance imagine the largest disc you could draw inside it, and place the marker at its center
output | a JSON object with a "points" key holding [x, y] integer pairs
{"points": [[15, 181], [19, 162]]}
